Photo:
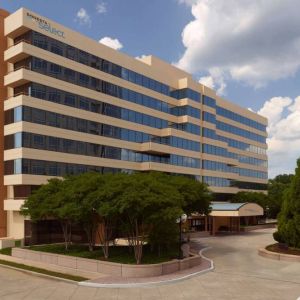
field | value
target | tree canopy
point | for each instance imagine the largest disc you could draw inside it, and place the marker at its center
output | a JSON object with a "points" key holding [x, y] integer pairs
{"points": [[255, 197], [276, 190], [289, 216], [144, 205], [51, 201]]}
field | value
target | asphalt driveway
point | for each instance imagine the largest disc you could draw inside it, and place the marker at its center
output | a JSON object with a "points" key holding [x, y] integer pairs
{"points": [[239, 274]]}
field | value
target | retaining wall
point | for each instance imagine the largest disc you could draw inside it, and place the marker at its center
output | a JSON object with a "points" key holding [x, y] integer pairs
{"points": [[108, 268]]}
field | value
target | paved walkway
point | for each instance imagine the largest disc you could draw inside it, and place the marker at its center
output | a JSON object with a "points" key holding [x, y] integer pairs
{"points": [[239, 274]]}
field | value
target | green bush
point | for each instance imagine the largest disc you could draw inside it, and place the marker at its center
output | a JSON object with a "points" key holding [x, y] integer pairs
{"points": [[289, 216], [278, 237]]}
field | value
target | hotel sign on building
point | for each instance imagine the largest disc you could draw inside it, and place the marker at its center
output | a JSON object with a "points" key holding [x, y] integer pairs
{"points": [[44, 25]]}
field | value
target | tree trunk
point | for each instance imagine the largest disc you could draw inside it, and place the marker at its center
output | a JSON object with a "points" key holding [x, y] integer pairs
{"points": [[138, 244], [90, 229], [67, 233], [105, 236]]}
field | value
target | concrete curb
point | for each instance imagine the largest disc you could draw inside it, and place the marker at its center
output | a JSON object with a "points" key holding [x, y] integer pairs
{"points": [[152, 283], [37, 274], [278, 256]]}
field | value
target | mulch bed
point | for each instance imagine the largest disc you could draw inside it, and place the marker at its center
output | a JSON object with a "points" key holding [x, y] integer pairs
{"points": [[282, 249]]}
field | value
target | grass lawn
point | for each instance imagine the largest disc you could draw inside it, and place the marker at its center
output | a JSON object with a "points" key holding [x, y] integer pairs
{"points": [[5, 251], [42, 271], [277, 249], [118, 254]]}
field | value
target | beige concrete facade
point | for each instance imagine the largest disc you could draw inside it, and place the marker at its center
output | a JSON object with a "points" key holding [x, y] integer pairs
{"points": [[23, 21], [3, 95]]}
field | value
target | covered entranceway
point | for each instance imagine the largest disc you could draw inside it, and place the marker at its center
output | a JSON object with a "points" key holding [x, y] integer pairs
{"points": [[226, 217]]}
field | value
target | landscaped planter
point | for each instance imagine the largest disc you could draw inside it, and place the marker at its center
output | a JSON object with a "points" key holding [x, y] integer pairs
{"points": [[10, 242], [109, 268]]}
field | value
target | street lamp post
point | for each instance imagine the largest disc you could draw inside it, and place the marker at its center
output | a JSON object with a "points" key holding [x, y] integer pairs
{"points": [[182, 219]]}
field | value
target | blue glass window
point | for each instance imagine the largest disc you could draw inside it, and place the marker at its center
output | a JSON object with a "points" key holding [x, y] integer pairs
{"points": [[209, 101]]}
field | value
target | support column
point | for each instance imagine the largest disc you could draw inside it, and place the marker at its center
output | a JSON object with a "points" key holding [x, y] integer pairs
{"points": [[3, 96], [213, 225], [206, 221]]}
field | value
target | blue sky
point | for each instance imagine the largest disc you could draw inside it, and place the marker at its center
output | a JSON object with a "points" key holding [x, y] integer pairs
{"points": [[236, 47], [147, 27]]}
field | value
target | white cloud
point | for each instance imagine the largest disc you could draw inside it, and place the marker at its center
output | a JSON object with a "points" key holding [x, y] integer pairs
{"points": [[251, 41], [187, 2], [101, 8], [283, 114], [83, 17], [207, 81], [215, 80], [112, 43]]}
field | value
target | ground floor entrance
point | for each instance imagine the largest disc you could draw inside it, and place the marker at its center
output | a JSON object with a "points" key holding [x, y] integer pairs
{"points": [[226, 217]]}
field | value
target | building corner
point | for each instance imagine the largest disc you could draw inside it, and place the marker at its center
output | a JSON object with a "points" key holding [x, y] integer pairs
{"points": [[3, 95]]}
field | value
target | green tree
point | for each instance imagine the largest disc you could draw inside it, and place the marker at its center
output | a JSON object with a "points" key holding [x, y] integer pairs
{"points": [[79, 190], [105, 196], [196, 195], [276, 190], [146, 199], [164, 233], [289, 217], [255, 197], [50, 201]]}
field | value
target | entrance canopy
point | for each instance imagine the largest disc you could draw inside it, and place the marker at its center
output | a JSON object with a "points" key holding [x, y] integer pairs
{"points": [[226, 209]]}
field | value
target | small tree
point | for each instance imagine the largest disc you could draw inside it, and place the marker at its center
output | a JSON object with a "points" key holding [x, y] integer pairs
{"points": [[50, 201], [289, 217], [144, 199]]}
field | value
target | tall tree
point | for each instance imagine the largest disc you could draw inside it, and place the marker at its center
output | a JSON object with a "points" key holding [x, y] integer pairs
{"points": [[79, 190], [196, 195], [255, 197], [289, 217], [105, 196], [51, 201], [276, 190], [144, 200]]}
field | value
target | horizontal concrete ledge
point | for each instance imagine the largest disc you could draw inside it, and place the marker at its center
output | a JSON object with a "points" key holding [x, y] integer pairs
{"points": [[107, 268], [256, 227], [278, 256], [153, 283]]}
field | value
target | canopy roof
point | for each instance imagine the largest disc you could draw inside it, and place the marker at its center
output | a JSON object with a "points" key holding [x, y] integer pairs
{"points": [[227, 209]]}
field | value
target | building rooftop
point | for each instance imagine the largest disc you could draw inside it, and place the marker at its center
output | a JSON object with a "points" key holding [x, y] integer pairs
{"points": [[227, 206]]}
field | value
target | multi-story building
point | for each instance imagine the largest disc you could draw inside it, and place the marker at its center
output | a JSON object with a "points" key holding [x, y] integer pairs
{"points": [[72, 105]]}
